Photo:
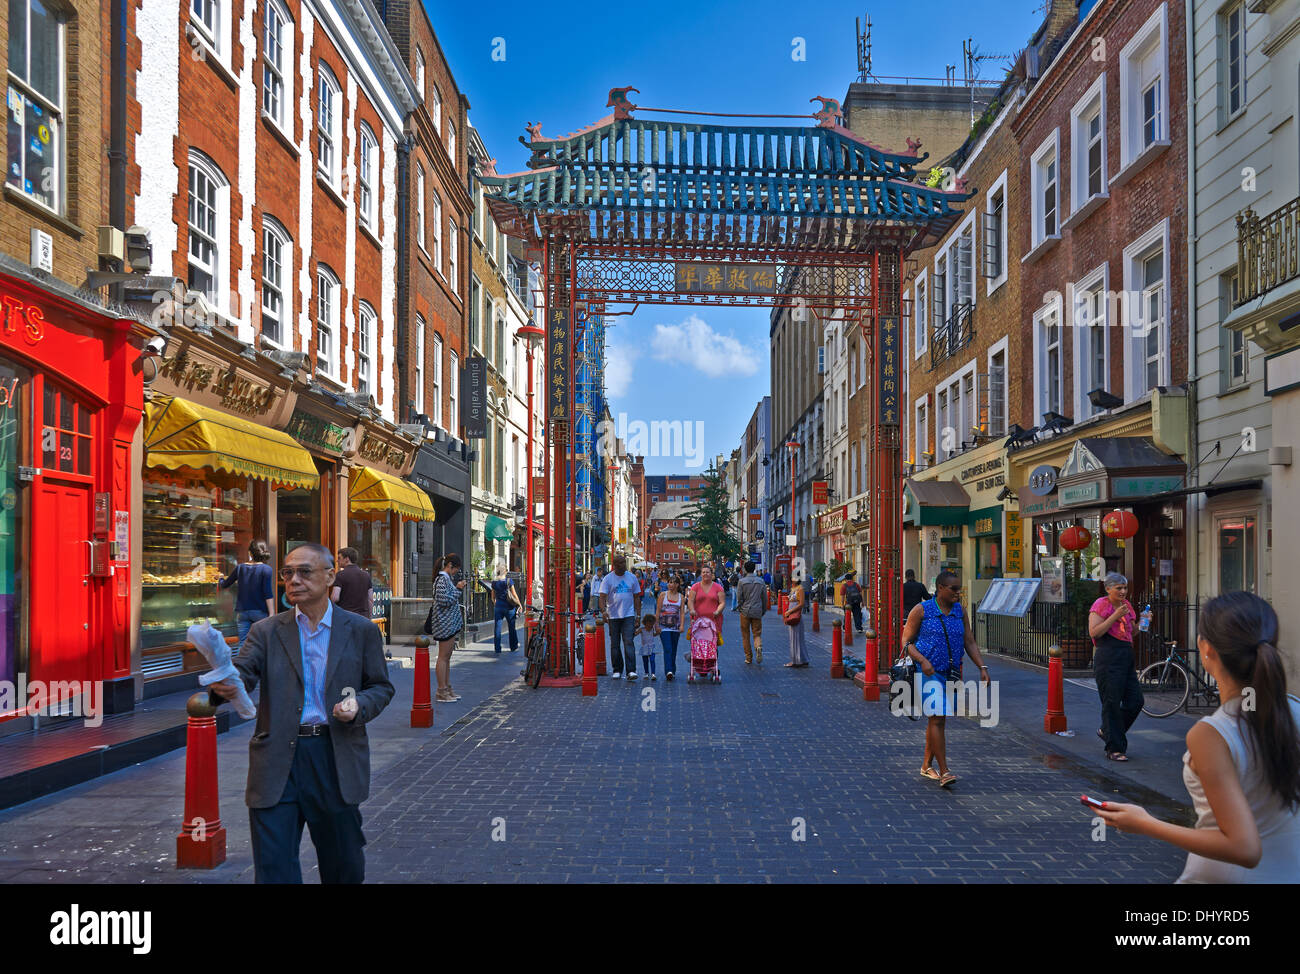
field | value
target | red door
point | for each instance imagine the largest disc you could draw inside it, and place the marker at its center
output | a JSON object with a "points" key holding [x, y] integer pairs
{"points": [[60, 623]]}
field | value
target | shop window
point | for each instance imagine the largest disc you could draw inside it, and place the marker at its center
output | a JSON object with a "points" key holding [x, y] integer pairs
{"points": [[988, 558], [14, 417], [66, 433], [373, 539], [35, 164], [1236, 540]]}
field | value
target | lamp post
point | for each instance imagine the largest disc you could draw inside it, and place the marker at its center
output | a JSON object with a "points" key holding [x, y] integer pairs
{"points": [[791, 445], [534, 336], [613, 481]]}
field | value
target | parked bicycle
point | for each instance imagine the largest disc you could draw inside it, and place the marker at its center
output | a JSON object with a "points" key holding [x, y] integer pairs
{"points": [[538, 647], [1169, 685]]}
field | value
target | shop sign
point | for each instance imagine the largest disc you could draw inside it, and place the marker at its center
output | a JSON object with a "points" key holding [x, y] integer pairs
{"points": [[756, 514], [833, 522], [19, 315], [474, 384], [989, 473], [889, 371], [236, 393], [1042, 480], [1015, 544], [709, 277], [9, 394], [820, 492], [1081, 493], [376, 450], [311, 430], [1142, 486], [933, 553]]}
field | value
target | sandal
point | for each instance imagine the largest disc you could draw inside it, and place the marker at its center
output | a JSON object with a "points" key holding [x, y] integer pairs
{"points": [[947, 779], [930, 773], [1116, 756], [1100, 734]]}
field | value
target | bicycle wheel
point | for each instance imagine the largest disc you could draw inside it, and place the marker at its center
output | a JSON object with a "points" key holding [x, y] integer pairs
{"points": [[536, 661], [1164, 687]]}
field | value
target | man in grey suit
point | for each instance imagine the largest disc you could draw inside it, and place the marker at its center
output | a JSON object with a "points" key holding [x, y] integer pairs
{"points": [[323, 678]]}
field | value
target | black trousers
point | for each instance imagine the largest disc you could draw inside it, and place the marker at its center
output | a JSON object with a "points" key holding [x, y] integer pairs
{"points": [[1117, 685], [311, 797]]}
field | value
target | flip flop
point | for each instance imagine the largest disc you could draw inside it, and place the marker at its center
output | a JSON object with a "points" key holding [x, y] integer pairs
{"points": [[1100, 734], [930, 773], [947, 779], [1116, 756]]}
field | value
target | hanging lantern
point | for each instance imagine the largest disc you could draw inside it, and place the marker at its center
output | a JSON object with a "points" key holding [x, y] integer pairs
{"points": [[1075, 538], [1119, 525]]}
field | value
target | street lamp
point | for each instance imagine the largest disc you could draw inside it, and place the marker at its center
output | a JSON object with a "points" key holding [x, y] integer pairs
{"points": [[791, 445], [534, 336]]}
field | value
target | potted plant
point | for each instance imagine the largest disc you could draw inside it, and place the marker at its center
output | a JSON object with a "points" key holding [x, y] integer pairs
{"points": [[1072, 629]]}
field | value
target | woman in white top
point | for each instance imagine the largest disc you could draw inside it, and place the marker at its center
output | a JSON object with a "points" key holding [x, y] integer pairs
{"points": [[670, 611], [1242, 766]]}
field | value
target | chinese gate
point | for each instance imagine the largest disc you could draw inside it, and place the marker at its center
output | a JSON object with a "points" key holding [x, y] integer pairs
{"points": [[809, 217]]}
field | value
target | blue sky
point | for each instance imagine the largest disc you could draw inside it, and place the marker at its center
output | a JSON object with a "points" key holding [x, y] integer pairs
{"points": [[560, 60]]}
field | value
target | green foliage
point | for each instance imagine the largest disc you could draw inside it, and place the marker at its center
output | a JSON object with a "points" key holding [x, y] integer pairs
{"points": [[819, 571], [1082, 592], [711, 519], [840, 567], [935, 177]]}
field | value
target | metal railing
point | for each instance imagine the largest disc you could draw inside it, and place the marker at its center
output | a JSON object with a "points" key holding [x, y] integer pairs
{"points": [[1268, 250], [951, 336]]}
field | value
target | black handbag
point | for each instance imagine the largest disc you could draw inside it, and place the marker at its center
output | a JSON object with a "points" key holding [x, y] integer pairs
{"points": [[954, 669], [904, 671]]}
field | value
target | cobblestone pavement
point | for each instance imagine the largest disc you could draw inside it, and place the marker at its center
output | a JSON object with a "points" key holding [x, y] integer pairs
{"points": [[774, 775]]}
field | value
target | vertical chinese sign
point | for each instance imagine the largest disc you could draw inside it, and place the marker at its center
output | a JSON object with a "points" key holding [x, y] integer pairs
{"points": [[889, 375], [1015, 544], [559, 355]]}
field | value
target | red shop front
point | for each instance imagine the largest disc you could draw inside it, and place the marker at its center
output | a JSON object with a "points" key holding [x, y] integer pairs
{"points": [[70, 400]]}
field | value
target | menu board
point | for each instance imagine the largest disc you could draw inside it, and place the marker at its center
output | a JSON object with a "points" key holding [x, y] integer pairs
{"points": [[1009, 596]]}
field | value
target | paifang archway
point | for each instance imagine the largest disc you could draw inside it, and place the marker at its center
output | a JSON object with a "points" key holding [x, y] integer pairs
{"points": [[631, 211]]}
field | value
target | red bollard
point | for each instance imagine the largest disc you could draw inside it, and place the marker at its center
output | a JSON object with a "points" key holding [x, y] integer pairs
{"points": [[870, 674], [600, 650], [848, 627], [1054, 719], [589, 659], [783, 601], [202, 842], [837, 653], [817, 622], [421, 701]]}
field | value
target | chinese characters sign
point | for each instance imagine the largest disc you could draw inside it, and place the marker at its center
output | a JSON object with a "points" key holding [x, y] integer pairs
{"points": [[707, 277], [559, 344], [889, 374], [1015, 544], [819, 492]]}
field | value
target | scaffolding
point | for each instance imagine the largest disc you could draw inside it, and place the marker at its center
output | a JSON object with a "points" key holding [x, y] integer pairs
{"points": [[589, 406]]}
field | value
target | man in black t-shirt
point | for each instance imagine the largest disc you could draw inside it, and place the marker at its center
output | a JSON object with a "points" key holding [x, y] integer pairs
{"points": [[914, 593], [353, 589]]}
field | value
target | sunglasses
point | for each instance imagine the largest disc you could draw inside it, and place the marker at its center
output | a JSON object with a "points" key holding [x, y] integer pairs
{"points": [[302, 571]]}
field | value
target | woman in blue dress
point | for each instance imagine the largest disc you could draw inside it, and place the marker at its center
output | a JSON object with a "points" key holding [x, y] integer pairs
{"points": [[935, 636]]}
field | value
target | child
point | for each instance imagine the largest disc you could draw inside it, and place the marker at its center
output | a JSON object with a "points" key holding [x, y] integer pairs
{"points": [[648, 639]]}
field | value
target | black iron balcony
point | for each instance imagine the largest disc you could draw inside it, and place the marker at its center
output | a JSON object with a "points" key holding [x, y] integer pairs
{"points": [[1268, 250], [951, 336]]}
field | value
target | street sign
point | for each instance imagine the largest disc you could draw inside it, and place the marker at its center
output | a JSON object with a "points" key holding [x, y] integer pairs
{"points": [[759, 535], [778, 525], [820, 492], [756, 557], [791, 540], [756, 514]]}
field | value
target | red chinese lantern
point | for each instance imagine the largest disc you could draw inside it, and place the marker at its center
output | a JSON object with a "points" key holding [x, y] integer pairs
{"points": [[1075, 538], [1120, 525]]}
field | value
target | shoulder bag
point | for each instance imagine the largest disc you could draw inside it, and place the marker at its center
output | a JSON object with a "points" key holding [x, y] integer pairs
{"points": [[954, 668]]}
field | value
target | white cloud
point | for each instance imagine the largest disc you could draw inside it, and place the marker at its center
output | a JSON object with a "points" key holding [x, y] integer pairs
{"points": [[695, 344], [618, 370]]}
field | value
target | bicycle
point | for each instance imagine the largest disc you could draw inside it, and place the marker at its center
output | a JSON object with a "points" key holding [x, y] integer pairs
{"points": [[1168, 684], [538, 647]]}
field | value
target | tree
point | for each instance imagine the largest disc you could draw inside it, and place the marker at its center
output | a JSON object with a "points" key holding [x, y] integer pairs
{"points": [[711, 519]]}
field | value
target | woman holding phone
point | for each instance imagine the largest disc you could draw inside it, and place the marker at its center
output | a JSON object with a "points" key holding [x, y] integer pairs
{"points": [[1242, 764], [446, 621]]}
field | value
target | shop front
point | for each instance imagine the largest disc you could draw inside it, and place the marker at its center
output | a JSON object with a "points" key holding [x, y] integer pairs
{"points": [[441, 470], [936, 510], [380, 502], [70, 403], [831, 526]]}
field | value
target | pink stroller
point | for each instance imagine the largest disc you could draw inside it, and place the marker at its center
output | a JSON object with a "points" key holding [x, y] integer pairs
{"points": [[704, 651]]}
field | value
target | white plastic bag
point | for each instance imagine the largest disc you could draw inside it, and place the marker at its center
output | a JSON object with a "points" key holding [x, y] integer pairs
{"points": [[212, 644]]}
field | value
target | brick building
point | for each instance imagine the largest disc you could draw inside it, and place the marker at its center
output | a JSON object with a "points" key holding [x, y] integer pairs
{"points": [[668, 531]]}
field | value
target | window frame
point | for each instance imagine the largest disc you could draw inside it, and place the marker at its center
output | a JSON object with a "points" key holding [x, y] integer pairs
{"points": [[283, 73], [367, 195], [453, 392], [991, 284], [1042, 348], [52, 108], [437, 233], [219, 238], [330, 172], [421, 338], [1000, 347], [1038, 183], [420, 69], [1080, 167], [453, 270], [420, 192], [326, 278], [1096, 281], [1132, 87], [1136, 254], [1227, 113], [436, 373], [274, 230]]}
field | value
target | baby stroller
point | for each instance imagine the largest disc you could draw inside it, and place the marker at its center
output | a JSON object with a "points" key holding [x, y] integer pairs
{"points": [[704, 651]]}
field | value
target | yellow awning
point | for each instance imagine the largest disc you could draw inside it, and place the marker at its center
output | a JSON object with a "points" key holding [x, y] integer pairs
{"points": [[373, 491], [179, 433]]}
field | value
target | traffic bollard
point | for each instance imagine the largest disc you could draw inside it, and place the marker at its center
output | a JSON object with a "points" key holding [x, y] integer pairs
{"points": [[783, 601], [837, 653], [848, 627], [202, 842], [1054, 719], [600, 649], [590, 630], [817, 622], [870, 672], [421, 700]]}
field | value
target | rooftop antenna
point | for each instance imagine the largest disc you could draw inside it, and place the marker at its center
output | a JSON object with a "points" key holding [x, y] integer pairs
{"points": [[864, 47], [972, 58]]}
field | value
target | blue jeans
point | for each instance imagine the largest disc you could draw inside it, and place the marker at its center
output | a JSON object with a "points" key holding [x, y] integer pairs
{"points": [[622, 631], [509, 614], [669, 638], [244, 620]]}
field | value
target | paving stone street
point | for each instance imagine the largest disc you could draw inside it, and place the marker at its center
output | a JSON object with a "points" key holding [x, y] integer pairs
{"points": [[775, 775]]}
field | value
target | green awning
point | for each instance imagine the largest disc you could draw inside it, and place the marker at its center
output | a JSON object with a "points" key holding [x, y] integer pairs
{"points": [[496, 529]]}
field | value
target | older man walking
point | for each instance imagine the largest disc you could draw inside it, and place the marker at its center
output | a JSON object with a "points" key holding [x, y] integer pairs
{"points": [[323, 678], [620, 604]]}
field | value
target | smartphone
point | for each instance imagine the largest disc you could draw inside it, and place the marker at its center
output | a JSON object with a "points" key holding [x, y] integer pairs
{"points": [[1091, 802]]}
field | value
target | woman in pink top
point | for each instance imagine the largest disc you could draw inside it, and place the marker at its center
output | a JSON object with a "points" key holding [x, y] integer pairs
{"points": [[705, 599], [1110, 624]]}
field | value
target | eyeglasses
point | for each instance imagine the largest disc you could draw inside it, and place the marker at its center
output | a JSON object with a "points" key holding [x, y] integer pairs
{"points": [[302, 571]]}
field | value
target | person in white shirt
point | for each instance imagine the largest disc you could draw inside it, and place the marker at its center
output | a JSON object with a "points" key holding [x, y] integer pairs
{"points": [[620, 604]]}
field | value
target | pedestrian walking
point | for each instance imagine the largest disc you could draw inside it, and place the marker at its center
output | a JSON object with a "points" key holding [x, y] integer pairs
{"points": [[506, 606], [255, 595], [914, 593], [1110, 624], [620, 604], [353, 589], [935, 636], [704, 599], [852, 592], [794, 624], [323, 677], [446, 620], [1242, 765], [752, 603], [671, 610], [647, 643]]}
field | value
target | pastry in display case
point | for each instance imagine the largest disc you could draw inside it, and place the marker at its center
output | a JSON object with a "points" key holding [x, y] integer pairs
{"points": [[194, 533]]}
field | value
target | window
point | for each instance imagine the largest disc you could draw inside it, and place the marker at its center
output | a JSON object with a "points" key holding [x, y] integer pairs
{"points": [[327, 127], [1088, 130], [1234, 356], [939, 292], [995, 234], [451, 141], [277, 56], [208, 226], [454, 279], [1047, 353], [922, 434], [71, 423], [419, 71], [437, 231], [943, 430], [1092, 357], [366, 179], [501, 343], [1144, 93], [275, 249], [962, 279], [365, 350], [435, 108], [498, 460], [1237, 544], [453, 386], [419, 207], [35, 154], [1047, 198], [436, 372], [417, 392], [475, 292], [997, 401], [209, 25], [1145, 273], [327, 320], [1232, 59]]}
